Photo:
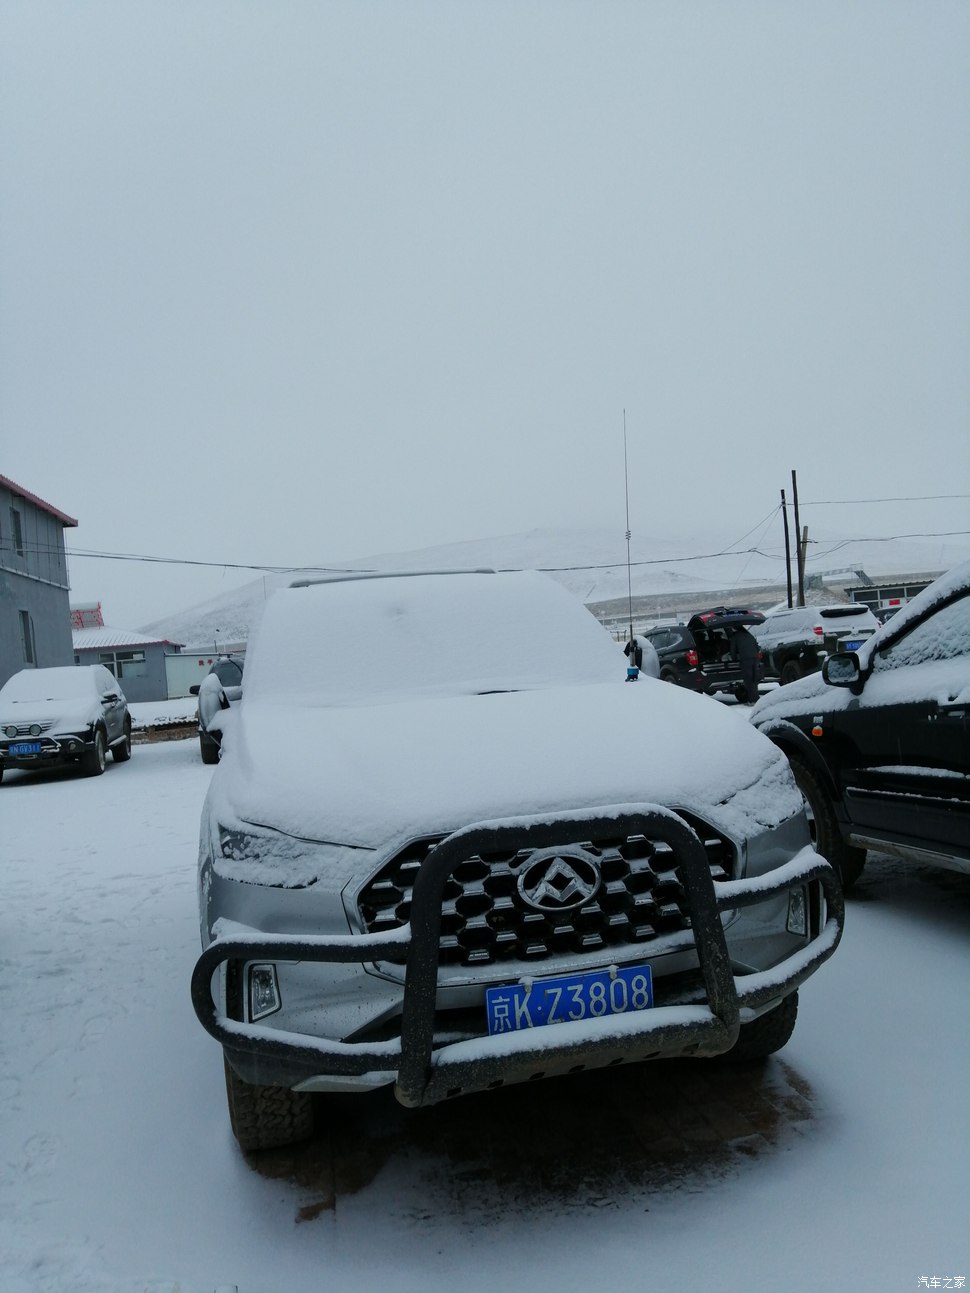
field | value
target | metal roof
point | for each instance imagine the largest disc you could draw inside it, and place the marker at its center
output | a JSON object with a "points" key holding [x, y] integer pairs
{"points": [[88, 639], [37, 502]]}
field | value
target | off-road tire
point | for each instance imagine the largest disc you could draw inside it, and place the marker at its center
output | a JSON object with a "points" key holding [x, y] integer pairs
{"points": [[208, 749], [847, 859], [766, 1034], [121, 752], [791, 671], [266, 1117], [93, 760]]}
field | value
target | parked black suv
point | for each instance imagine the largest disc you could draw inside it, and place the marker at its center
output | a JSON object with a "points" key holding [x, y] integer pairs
{"points": [[879, 742], [697, 654]]}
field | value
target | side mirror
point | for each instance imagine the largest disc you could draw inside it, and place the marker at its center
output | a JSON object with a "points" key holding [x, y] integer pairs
{"points": [[194, 689], [843, 670]]}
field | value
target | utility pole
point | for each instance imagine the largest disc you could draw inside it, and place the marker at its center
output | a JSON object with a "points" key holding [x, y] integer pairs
{"points": [[784, 513], [799, 546]]}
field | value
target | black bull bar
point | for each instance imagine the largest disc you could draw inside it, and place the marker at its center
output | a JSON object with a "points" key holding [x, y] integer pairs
{"points": [[425, 1075]]}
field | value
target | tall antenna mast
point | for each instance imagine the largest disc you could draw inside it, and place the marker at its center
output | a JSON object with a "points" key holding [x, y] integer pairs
{"points": [[632, 670]]}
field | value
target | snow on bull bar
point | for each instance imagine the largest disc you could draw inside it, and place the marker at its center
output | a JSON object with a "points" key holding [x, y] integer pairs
{"points": [[490, 861]]}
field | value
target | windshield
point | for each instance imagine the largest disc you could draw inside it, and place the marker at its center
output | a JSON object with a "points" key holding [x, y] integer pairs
{"points": [[229, 672], [35, 685], [862, 614], [368, 640]]}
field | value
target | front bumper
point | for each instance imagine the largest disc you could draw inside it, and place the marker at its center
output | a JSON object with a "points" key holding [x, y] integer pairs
{"points": [[425, 1074], [65, 747]]}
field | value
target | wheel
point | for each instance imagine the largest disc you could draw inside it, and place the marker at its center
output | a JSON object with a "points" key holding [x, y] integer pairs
{"points": [[121, 752], [826, 836], [209, 749], [93, 760], [266, 1117], [791, 671], [668, 675], [768, 1033]]}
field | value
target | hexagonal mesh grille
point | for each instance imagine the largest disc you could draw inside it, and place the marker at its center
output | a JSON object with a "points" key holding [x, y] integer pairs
{"points": [[485, 921]]}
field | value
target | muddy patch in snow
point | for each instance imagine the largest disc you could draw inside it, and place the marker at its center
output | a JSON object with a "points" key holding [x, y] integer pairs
{"points": [[593, 1140]]}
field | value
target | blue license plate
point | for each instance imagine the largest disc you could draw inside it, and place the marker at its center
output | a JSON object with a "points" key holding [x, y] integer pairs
{"points": [[19, 748], [568, 999], [854, 645]]}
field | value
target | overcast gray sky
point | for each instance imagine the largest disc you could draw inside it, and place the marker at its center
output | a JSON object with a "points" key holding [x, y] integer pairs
{"points": [[291, 282]]}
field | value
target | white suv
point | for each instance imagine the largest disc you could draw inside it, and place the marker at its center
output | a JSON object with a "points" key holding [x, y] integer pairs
{"points": [[795, 641]]}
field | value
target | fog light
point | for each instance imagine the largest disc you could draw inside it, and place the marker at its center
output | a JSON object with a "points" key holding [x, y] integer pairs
{"points": [[797, 912], [264, 993]]}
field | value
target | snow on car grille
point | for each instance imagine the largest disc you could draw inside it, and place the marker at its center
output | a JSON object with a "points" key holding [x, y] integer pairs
{"points": [[23, 729], [486, 919]]}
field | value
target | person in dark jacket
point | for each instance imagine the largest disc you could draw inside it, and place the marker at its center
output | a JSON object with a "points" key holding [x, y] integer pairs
{"points": [[744, 648]]}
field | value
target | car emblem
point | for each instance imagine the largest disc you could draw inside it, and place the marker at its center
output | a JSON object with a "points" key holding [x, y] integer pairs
{"points": [[557, 881]]}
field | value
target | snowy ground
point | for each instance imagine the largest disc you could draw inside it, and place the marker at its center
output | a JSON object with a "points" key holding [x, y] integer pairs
{"points": [[844, 1165]]}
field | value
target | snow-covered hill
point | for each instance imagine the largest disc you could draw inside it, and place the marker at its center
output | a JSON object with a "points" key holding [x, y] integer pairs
{"points": [[591, 563]]}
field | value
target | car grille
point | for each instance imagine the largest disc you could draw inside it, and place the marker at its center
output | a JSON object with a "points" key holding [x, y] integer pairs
{"points": [[485, 921], [23, 729]]}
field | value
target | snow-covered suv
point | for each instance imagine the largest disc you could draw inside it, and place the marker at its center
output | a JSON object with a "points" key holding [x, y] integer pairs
{"points": [[795, 641], [438, 855], [66, 714]]}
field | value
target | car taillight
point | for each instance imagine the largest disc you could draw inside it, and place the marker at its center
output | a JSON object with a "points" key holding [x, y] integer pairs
{"points": [[819, 631], [692, 659]]}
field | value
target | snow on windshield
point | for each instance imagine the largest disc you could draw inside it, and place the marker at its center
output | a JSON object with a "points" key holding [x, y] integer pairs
{"points": [[938, 591], [372, 640], [943, 636], [32, 685]]}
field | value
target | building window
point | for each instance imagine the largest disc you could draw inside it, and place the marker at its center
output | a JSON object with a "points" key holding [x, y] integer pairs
{"points": [[27, 637], [17, 532], [124, 664]]}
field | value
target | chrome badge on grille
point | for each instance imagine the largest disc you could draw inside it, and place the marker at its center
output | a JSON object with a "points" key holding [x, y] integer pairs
{"points": [[555, 880]]}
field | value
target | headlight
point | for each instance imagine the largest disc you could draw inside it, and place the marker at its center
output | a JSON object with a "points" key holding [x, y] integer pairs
{"points": [[10, 731], [256, 855]]}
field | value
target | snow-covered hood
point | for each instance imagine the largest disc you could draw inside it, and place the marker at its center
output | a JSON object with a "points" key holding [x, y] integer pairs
{"points": [[371, 775], [72, 715]]}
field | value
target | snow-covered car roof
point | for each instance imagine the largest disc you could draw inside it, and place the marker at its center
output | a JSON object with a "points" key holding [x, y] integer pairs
{"points": [[61, 682]]}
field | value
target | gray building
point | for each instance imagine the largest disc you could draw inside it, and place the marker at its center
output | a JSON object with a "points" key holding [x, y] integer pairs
{"points": [[35, 611], [137, 661]]}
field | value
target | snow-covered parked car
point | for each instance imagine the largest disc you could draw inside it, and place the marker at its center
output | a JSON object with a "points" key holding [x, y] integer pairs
{"points": [[217, 692], [438, 855], [879, 742], [68, 714]]}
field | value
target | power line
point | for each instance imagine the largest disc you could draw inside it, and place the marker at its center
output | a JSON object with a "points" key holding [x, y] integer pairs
{"points": [[912, 498], [830, 545]]}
